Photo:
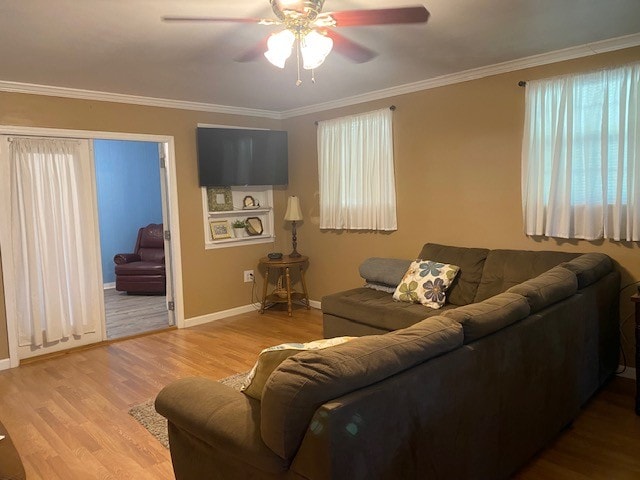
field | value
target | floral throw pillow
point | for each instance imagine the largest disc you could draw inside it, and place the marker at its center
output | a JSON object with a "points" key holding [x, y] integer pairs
{"points": [[426, 282]]}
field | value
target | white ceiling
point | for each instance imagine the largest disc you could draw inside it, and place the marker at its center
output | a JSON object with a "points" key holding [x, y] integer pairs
{"points": [[122, 46]]}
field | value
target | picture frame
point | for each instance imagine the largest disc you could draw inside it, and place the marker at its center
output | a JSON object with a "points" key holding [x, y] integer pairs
{"points": [[219, 199], [254, 226], [250, 203], [220, 229]]}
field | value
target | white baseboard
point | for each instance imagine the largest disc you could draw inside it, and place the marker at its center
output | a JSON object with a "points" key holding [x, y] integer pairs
{"points": [[5, 364], [108, 286], [629, 372], [212, 317]]}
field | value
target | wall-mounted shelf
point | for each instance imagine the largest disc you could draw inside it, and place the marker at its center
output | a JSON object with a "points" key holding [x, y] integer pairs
{"points": [[263, 195], [247, 212]]}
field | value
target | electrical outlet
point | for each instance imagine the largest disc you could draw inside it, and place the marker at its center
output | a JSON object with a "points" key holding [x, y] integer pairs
{"points": [[248, 276]]}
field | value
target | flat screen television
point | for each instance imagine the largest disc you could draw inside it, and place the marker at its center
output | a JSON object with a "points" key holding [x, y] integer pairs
{"points": [[235, 156]]}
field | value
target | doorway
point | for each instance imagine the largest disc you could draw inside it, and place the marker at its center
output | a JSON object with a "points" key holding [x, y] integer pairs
{"points": [[129, 198], [164, 145]]}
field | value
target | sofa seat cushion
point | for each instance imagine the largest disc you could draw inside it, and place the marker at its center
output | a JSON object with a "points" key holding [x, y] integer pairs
{"points": [[376, 309], [506, 268], [547, 288], [305, 381], [140, 268], [470, 260], [589, 268], [495, 313]]}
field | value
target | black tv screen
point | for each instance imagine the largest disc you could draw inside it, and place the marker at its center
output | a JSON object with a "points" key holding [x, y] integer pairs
{"points": [[234, 156]]}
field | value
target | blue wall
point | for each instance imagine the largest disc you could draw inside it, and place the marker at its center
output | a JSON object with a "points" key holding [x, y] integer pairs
{"points": [[128, 183]]}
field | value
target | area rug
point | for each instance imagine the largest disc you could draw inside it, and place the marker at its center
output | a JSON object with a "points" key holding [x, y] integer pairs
{"points": [[156, 424]]}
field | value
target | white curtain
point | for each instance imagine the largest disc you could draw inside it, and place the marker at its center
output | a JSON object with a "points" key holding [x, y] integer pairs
{"points": [[355, 169], [581, 156], [56, 260]]}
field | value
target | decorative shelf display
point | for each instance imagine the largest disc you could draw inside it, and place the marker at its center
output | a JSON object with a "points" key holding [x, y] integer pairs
{"points": [[226, 207]]}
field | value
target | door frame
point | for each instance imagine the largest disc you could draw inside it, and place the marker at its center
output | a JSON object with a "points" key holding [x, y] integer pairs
{"points": [[171, 208]]}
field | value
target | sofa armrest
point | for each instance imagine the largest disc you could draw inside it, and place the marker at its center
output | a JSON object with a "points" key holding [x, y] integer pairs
{"points": [[225, 419], [122, 258]]}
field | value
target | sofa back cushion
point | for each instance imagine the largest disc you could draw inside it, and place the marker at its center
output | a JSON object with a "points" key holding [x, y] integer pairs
{"points": [[505, 268], [305, 381], [548, 288], [270, 358], [471, 262], [484, 318], [589, 268]]}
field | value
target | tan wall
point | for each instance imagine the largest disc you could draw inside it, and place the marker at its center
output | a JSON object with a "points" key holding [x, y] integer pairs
{"points": [[457, 152], [457, 155], [212, 279]]}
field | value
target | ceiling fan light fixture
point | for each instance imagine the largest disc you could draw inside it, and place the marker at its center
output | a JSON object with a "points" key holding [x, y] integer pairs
{"points": [[288, 9], [280, 46], [314, 48]]}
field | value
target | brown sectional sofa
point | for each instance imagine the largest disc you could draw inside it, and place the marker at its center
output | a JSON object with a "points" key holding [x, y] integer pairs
{"points": [[469, 391]]}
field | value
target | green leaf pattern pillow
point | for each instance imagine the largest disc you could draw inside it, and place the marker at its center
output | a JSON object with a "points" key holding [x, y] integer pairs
{"points": [[426, 282]]}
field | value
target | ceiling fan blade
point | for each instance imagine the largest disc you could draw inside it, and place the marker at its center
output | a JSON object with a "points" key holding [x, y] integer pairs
{"points": [[350, 49], [254, 53], [383, 16], [214, 19]]}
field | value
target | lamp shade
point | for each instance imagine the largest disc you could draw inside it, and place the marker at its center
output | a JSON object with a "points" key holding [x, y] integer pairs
{"points": [[280, 46], [294, 212], [315, 47]]}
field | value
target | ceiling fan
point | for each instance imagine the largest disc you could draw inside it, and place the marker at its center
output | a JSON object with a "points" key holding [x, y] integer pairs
{"points": [[311, 31]]}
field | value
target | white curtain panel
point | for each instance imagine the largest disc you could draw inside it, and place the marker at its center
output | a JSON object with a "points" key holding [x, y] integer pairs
{"points": [[581, 156], [56, 258], [356, 172]]}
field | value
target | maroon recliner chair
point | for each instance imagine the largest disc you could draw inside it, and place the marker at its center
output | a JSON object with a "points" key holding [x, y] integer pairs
{"points": [[143, 271]]}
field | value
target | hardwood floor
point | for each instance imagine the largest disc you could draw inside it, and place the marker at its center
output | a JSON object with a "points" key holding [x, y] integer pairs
{"points": [[68, 415], [128, 315]]}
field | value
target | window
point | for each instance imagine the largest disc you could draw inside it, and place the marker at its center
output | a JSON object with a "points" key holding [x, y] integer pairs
{"points": [[355, 167], [581, 156]]}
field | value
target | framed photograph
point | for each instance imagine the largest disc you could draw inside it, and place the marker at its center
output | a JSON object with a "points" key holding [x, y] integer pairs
{"points": [[220, 229], [219, 199]]}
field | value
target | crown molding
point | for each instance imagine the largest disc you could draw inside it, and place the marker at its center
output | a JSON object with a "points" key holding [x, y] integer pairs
{"points": [[65, 92], [594, 48], [571, 53]]}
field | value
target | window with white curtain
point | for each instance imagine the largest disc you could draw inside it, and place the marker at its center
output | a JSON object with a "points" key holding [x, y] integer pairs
{"points": [[355, 168], [54, 240], [581, 156]]}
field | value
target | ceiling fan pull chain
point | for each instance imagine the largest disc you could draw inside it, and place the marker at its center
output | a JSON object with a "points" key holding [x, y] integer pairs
{"points": [[298, 82], [313, 75]]}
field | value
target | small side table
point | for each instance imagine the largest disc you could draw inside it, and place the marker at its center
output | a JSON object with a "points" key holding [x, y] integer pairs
{"points": [[636, 299], [285, 264]]}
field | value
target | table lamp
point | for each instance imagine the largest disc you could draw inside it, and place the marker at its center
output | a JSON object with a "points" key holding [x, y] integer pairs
{"points": [[293, 215]]}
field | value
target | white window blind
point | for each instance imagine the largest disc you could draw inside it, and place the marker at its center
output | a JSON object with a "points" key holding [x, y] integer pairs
{"points": [[581, 156], [355, 168]]}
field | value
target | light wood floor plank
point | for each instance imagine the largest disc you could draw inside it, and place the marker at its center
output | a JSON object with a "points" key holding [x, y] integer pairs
{"points": [[68, 414], [128, 315]]}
